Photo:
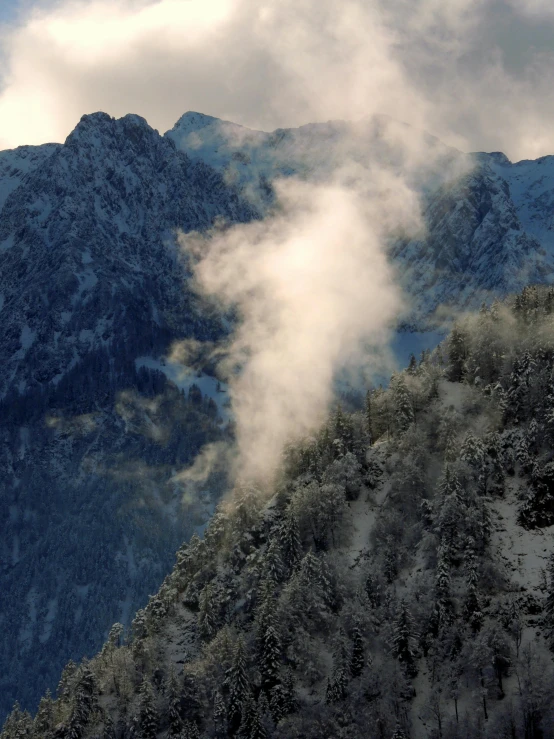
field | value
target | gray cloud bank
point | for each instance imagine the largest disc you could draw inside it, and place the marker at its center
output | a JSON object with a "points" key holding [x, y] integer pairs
{"points": [[476, 73]]}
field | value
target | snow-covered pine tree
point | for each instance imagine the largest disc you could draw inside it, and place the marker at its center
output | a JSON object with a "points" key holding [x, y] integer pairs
{"points": [[84, 702], [239, 687], [399, 733], [357, 659], [368, 418], [207, 618], [148, 719], [402, 402], [549, 603], [336, 686], [219, 715], [173, 694], [457, 346], [472, 452], [449, 511], [44, 720], [289, 539], [273, 566], [404, 639], [109, 728], [270, 657]]}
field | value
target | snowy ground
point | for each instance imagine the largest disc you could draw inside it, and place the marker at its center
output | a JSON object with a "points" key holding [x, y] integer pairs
{"points": [[524, 553]]}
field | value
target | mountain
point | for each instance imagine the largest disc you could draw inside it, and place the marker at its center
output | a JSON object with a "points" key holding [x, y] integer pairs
{"points": [[93, 291], [396, 580], [488, 221], [96, 421]]}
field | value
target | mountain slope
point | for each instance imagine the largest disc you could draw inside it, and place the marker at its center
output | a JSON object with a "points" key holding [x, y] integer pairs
{"points": [[93, 291], [397, 579]]}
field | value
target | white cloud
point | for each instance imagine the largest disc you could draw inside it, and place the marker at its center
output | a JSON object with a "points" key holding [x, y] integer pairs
{"points": [[444, 66], [314, 288]]}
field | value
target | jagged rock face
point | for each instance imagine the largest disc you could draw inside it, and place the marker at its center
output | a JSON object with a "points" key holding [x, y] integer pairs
{"points": [[475, 248], [90, 280]]}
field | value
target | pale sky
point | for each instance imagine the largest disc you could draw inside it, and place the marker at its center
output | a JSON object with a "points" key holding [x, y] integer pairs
{"points": [[477, 73]]}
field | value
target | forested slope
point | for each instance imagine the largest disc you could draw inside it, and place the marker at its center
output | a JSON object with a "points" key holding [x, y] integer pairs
{"points": [[396, 580]]}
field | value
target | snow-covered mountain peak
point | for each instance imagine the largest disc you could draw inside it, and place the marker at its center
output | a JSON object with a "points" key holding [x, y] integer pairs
{"points": [[492, 157], [102, 133], [194, 121]]}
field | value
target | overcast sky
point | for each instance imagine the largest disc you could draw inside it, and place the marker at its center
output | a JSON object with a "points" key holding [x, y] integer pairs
{"points": [[477, 73]]}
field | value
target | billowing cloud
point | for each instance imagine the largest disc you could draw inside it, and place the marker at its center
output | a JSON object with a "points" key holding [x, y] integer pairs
{"points": [[314, 291], [476, 73]]}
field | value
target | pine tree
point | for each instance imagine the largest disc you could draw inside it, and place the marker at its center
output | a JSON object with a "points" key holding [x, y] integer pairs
{"points": [[239, 687], [270, 658], [291, 546], [342, 432], [190, 730], [191, 704], [173, 700], [313, 577], [399, 733], [517, 397], [85, 701], [336, 686], [277, 702], [219, 715], [374, 590], [290, 704], [448, 433], [390, 564], [443, 605], [549, 605], [472, 453], [449, 510], [257, 729], [368, 419], [18, 724], [247, 716], [403, 640], [274, 568], [458, 349], [264, 712], [472, 611], [207, 621], [148, 716], [357, 660], [44, 720], [67, 679], [109, 729], [402, 403]]}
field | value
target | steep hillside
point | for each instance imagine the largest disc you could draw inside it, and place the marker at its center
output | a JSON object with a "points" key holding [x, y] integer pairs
{"points": [[92, 292], [396, 580]]}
